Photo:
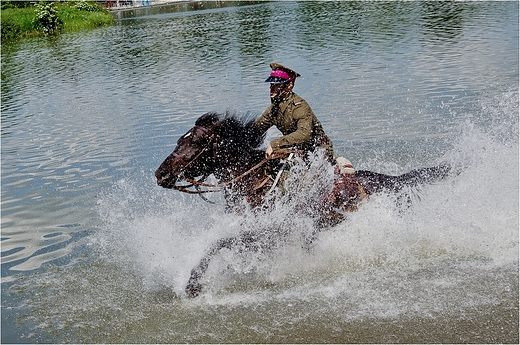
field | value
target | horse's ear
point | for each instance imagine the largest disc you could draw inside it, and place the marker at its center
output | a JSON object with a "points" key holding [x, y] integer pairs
{"points": [[207, 120]]}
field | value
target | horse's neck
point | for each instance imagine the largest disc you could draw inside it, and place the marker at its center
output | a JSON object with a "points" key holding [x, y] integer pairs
{"points": [[234, 165]]}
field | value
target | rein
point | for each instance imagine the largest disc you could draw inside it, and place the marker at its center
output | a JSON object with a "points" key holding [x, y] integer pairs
{"points": [[199, 183]]}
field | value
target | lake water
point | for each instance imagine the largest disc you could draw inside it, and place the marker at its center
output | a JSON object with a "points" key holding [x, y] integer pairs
{"points": [[94, 251]]}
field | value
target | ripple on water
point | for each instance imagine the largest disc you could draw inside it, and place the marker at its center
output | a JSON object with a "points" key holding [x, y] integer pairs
{"points": [[88, 116]]}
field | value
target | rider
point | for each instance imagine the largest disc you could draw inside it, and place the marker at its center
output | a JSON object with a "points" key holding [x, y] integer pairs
{"points": [[302, 130], [292, 115]]}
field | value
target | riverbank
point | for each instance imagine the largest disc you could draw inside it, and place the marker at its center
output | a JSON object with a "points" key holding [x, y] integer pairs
{"points": [[33, 20]]}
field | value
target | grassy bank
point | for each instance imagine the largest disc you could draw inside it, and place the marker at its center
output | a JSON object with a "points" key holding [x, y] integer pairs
{"points": [[51, 18]]}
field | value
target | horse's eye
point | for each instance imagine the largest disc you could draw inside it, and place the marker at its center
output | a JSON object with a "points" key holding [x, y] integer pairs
{"points": [[200, 139], [184, 138]]}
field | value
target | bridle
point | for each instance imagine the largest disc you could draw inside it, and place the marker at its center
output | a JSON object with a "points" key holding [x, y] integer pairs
{"points": [[211, 142], [211, 145]]}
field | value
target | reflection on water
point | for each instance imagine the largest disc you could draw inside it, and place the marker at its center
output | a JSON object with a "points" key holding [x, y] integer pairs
{"points": [[88, 236]]}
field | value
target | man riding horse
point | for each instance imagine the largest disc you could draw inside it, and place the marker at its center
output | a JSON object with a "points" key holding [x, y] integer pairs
{"points": [[292, 115], [300, 127]]}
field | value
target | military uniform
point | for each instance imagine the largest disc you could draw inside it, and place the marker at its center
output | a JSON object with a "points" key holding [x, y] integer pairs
{"points": [[301, 129], [294, 117]]}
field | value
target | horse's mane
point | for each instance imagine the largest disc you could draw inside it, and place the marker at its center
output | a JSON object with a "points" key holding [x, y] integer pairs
{"points": [[239, 128]]}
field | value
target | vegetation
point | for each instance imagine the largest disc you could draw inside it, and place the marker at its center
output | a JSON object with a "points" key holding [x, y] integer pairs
{"points": [[22, 19]]}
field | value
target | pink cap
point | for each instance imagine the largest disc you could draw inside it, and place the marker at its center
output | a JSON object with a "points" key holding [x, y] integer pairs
{"points": [[280, 74]]}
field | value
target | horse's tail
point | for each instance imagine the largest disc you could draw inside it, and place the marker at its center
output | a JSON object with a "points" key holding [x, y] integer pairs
{"points": [[374, 182]]}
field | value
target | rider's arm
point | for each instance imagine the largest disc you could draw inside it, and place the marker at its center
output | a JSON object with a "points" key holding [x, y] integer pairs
{"points": [[302, 116], [265, 121]]}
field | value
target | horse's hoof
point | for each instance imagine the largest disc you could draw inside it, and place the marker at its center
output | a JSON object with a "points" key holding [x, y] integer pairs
{"points": [[193, 290]]}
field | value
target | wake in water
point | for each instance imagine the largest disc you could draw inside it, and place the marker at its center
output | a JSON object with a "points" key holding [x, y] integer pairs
{"points": [[470, 216]]}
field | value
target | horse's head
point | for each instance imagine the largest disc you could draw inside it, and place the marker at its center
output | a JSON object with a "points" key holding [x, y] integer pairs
{"points": [[192, 157], [208, 146]]}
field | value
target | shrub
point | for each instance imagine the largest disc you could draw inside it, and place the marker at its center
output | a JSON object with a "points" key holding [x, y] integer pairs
{"points": [[87, 6], [47, 19]]}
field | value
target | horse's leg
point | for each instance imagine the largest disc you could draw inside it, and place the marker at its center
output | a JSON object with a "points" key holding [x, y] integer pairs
{"points": [[193, 288], [244, 241]]}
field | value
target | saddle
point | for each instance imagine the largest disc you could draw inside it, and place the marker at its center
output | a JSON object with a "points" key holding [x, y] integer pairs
{"points": [[345, 196], [347, 192]]}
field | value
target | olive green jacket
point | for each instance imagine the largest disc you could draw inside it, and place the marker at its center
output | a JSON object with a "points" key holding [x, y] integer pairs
{"points": [[300, 127]]}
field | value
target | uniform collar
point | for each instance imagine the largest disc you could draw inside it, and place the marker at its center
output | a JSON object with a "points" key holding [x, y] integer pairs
{"points": [[286, 100]]}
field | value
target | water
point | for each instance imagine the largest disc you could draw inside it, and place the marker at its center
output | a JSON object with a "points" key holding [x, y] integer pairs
{"points": [[94, 251]]}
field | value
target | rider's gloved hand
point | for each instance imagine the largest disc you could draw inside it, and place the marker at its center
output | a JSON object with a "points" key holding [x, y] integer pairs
{"points": [[268, 151]]}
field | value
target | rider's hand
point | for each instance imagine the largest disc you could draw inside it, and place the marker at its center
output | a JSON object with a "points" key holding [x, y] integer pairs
{"points": [[269, 151]]}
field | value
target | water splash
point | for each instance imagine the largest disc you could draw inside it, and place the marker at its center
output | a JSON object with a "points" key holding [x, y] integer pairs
{"points": [[452, 256], [472, 215]]}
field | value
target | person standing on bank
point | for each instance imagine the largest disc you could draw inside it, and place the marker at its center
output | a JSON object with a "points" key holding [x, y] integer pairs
{"points": [[292, 115]]}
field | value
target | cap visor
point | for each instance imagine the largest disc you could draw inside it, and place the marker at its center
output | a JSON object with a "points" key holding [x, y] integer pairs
{"points": [[276, 80]]}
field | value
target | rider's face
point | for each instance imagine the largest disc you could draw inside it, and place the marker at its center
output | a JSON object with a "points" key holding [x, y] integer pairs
{"points": [[280, 91]]}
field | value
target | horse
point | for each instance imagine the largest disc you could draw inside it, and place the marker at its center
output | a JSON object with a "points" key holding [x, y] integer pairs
{"points": [[228, 147]]}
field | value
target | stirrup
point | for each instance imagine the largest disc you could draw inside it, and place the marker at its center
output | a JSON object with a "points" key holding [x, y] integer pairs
{"points": [[282, 169]]}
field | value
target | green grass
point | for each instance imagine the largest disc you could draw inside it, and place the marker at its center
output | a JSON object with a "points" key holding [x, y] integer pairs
{"points": [[19, 22], [74, 19]]}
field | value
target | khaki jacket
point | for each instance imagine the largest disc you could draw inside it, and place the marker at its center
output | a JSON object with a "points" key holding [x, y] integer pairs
{"points": [[301, 129]]}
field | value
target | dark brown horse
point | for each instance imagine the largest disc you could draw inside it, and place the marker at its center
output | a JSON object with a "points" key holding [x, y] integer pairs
{"points": [[228, 148]]}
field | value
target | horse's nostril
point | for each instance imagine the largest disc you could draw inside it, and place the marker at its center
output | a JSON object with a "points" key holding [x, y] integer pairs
{"points": [[158, 174], [166, 180]]}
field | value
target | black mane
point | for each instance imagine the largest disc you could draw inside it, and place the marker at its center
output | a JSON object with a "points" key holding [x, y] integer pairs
{"points": [[237, 129]]}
